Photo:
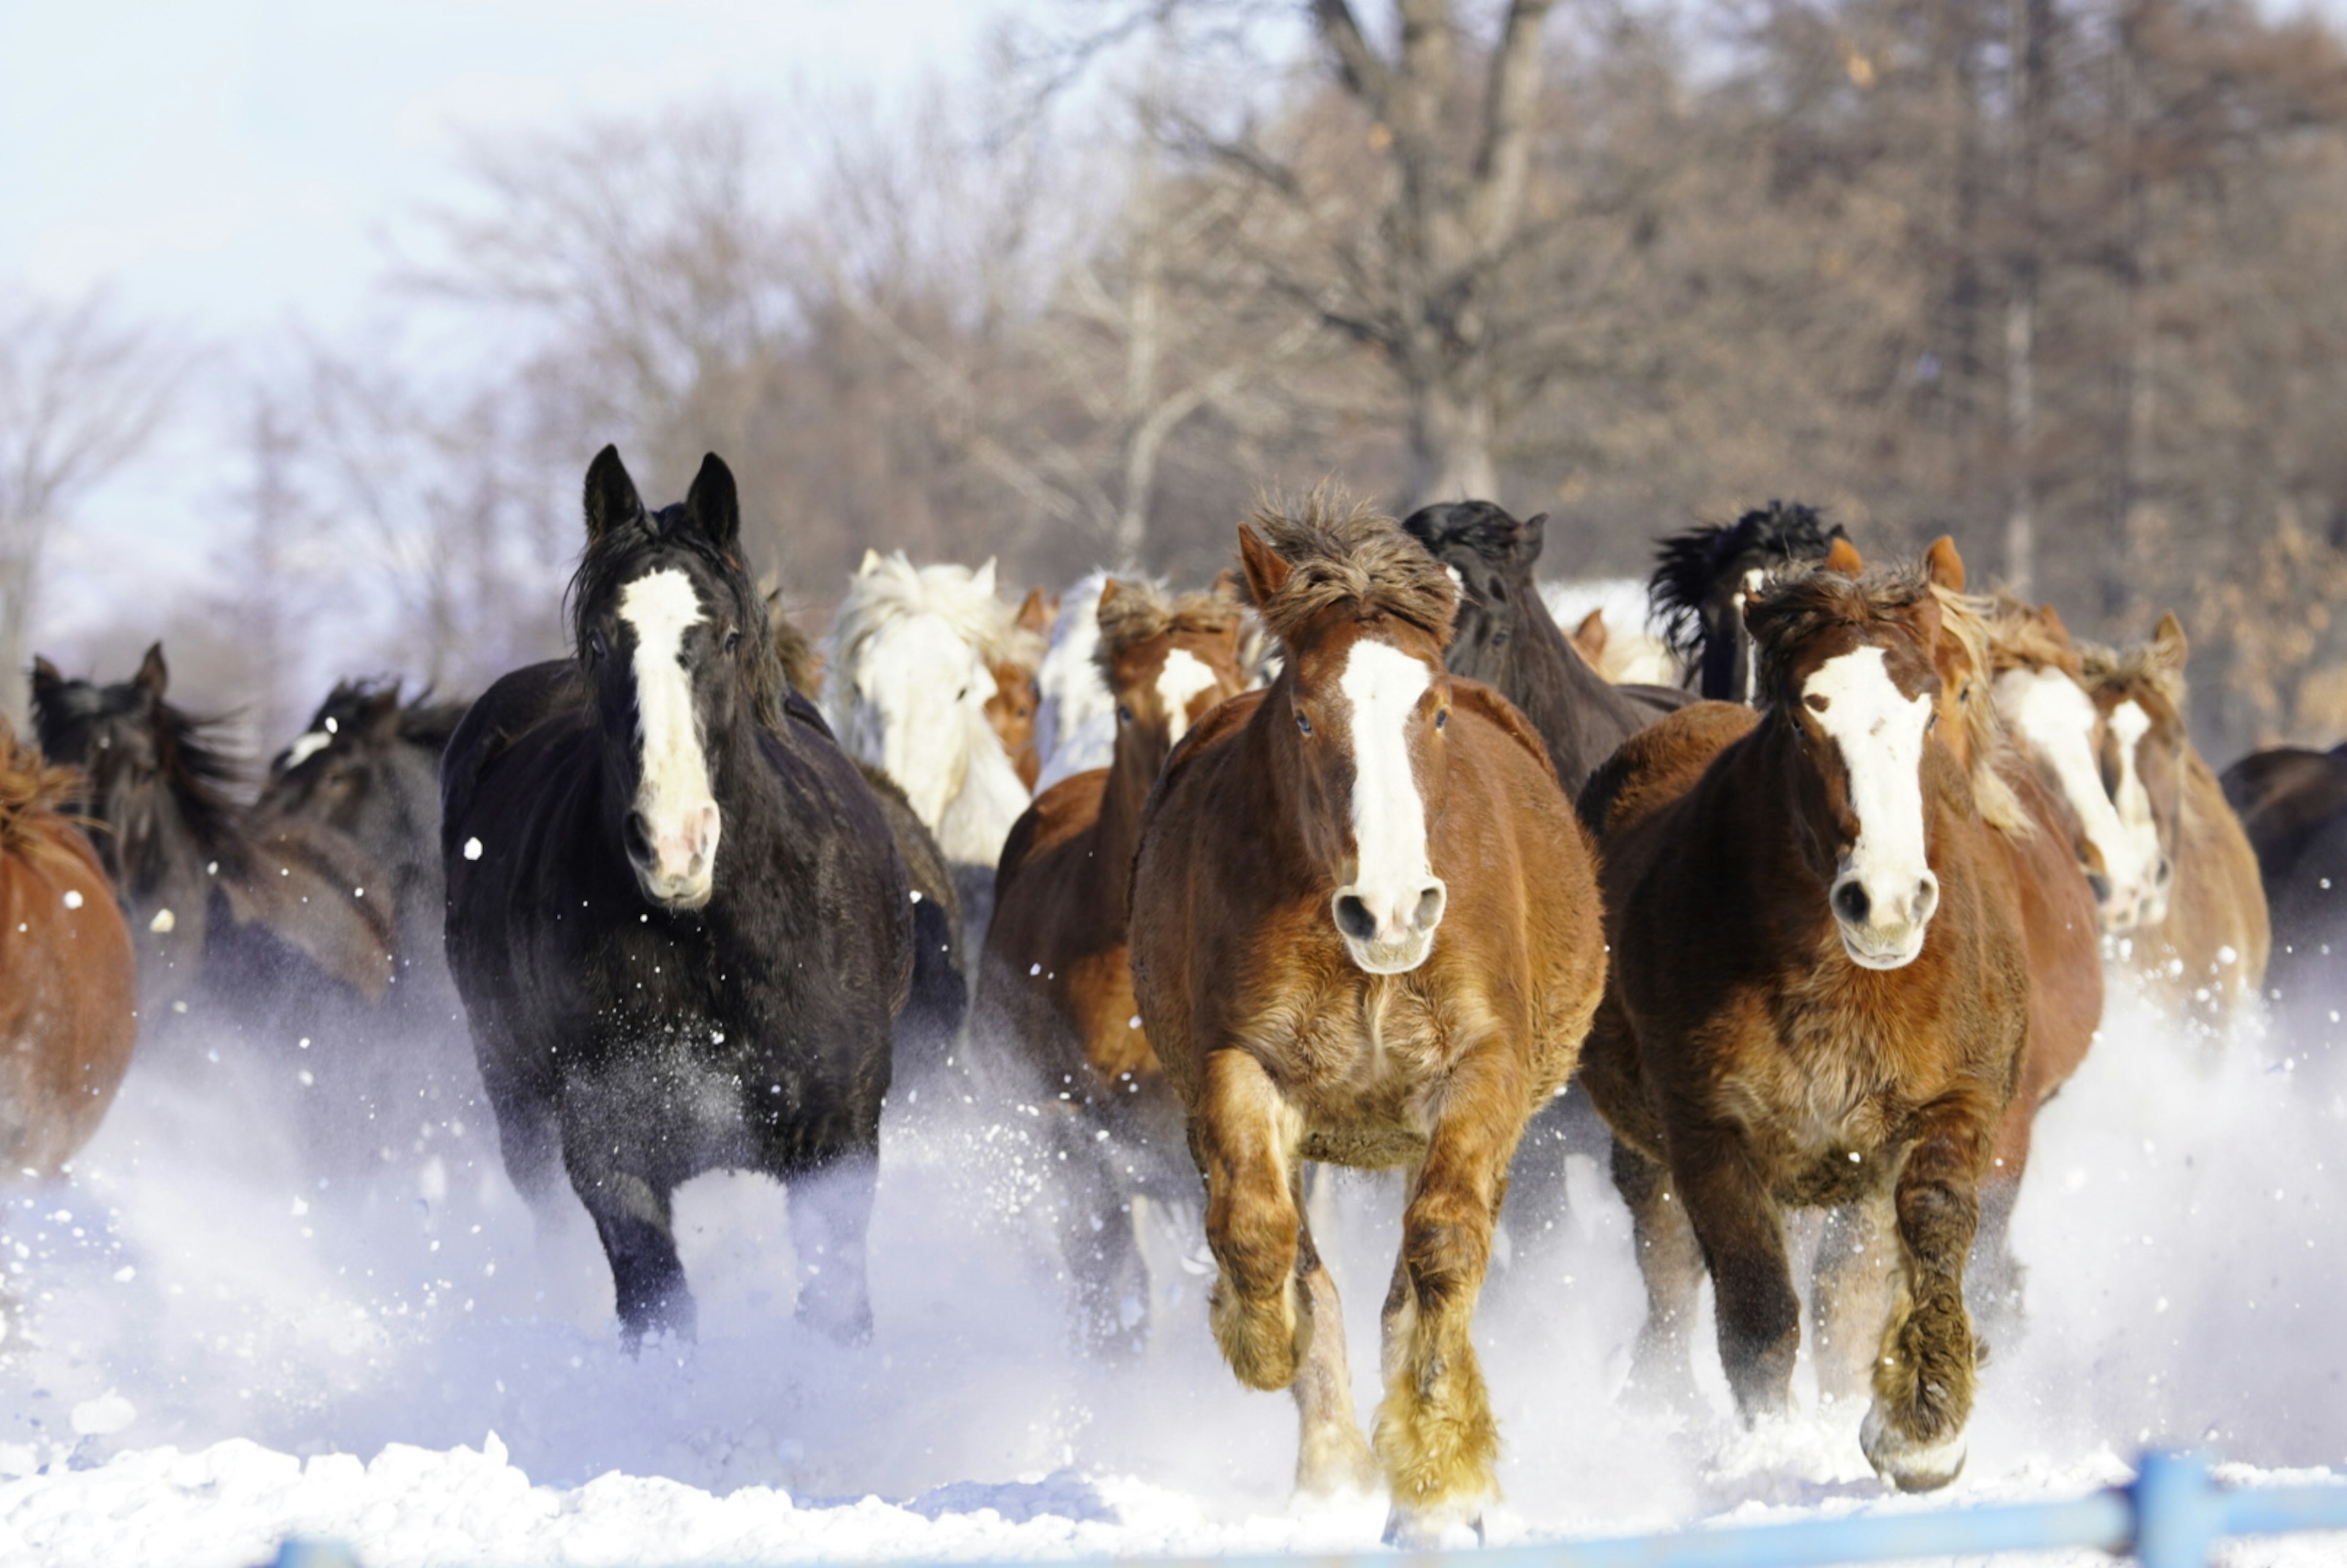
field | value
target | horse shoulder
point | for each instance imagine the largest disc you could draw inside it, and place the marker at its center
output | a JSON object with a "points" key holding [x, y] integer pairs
{"points": [[1060, 813], [1503, 715]]}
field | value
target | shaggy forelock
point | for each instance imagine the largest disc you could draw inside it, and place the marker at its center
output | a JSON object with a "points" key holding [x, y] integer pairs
{"points": [[1800, 604], [2136, 672], [1141, 610], [2019, 639], [1347, 552], [1481, 527], [895, 589], [1966, 618], [31, 789]]}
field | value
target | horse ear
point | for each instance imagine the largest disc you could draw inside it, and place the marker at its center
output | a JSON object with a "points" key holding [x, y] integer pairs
{"points": [[2052, 620], [714, 504], [379, 715], [1109, 591], [611, 498], [1228, 585], [1591, 635], [2168, 644], [1843, 558], [1531, 534], [154, 676], [870, 564], [1945, 565], [982, 578], [1035, 612], [1265, 567], [46, 678]]}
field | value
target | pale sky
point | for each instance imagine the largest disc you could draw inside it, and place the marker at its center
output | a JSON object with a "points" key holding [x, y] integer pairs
{"points": [[233, 167]]}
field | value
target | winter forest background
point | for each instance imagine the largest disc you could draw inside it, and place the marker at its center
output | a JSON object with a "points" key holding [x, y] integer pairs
{"points": [[2067, 278]]}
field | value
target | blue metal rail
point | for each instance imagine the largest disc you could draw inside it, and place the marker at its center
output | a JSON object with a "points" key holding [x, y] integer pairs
{"points": [[2173, 1516]]}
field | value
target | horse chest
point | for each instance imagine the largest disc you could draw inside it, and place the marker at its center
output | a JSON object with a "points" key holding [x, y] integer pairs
{"points": [[1821, 1108], [1358, 1056]]}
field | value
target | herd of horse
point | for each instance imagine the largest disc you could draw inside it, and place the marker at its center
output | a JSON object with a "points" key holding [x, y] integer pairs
{"points": [[1351, 857]]}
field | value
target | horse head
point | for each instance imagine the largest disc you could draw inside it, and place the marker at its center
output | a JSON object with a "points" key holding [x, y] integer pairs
{"points": [[1703, 578], [2140, 741], [1167, 662], [1491, 555], [2040, 692], [671, 638], [1849, 675], [1357, 716], [140, 759]]}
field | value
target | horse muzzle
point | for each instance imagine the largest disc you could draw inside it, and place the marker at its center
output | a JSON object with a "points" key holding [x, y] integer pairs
{"points": [[1883, 929], [676, 866], [1389, 931]]}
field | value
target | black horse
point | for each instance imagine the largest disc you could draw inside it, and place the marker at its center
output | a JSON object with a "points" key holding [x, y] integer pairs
{"points": [[680, 930], [1507, 639], [2293, 803], [1702, 575], [232, 911]]}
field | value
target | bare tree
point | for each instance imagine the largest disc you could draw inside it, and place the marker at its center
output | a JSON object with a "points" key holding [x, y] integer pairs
{"points": [[82, 393]]}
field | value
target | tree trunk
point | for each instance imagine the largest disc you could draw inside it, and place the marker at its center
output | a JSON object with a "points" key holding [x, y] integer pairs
{"points": [[17, 570], [1449, 444], [2029, 23], [2131, 365]]}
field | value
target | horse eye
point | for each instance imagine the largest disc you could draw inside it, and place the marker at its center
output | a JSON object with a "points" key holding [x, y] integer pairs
{"points": [[733, 640], [1442, 719], [1933, 723], [595, 645], [1304, 723], [1123, 715], [961, 694], [1498, 638]]}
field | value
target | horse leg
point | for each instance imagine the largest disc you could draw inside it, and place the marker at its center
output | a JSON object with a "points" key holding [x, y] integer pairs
{"points": [[1994, 1276], [1435, 1433], [1925, 1372], [1330, 1453], [1098, 1243], [831, 1215], [1850, 1295], [632, 1218], [1662, 1369], [1246, 1135], [1743, 1240]]}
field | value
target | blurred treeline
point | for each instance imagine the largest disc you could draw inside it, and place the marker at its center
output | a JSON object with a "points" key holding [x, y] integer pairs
{"points": [[2067, 278]]}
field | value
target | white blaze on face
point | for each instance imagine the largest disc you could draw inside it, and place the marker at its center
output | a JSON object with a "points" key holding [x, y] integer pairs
{"points": [[1880, 733], [1752, 581], [1179, 681], [679, 814], [1394, 900], [2130, 725], [305, 747], [2057, 718]]}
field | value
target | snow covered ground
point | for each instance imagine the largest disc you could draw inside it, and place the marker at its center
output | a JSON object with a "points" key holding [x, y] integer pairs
{"points": [[226, 1346]]}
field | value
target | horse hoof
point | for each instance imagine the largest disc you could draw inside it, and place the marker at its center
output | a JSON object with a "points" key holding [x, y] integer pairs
{"points": [[1906, 1464], [1452, 1529]]}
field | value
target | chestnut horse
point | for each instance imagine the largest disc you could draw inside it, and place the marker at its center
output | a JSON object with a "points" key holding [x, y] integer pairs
{"points": [[68, 979], [1819, 1000], [1017, 698], [1365, 930], [2202, 945], [1055, 991]]}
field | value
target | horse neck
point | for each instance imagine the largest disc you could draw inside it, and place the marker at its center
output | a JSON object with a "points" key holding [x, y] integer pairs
{"points": [[1576, 710], [1116, 832], [978, 815]]}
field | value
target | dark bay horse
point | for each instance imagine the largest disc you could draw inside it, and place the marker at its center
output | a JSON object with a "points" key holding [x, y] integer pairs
{"points": [[680, 930], [1701, 577], [368, 765], [1507, 639], [68, 980], [2292, 806], [2201, 949], [2284, 796], [1055, 992], [1820, 998], [1365, 930], [226, 909]]}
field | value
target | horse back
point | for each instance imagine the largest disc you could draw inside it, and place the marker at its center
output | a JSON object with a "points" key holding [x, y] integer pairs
{"points": [[2220, 899], [69, 994], [2060, 926]]}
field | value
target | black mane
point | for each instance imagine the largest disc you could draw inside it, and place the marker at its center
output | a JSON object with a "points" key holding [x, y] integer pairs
{"points": [[1690, 565], [201, 773]]}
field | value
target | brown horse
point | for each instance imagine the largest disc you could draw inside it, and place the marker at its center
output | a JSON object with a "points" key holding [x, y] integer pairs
{"points": [[1055, 988], [68, 980], [2201, 949], [1016, 697], [1365, 930], [2038, 837], [1819, 1000]]}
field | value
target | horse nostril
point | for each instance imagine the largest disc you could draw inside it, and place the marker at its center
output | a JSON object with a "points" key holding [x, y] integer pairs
{"points": [[638, 835], [1850, 902], [2167, 872], [1927, 897], [1353, 918], [1430, 908], [2100, 886]]}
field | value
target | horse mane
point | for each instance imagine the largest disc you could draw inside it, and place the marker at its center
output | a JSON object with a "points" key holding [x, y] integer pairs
{"points": [[2139, 668], [1966, 618], [32, 790], [1688, 564], [2019, 638], [1142, 609], [1483, 526], [1347, 552], [895, 589], [794, 651], [1795, 605], [424, 722], [671, 525]]}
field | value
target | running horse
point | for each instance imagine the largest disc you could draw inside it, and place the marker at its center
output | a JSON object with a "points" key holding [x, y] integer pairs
{"points": [[68, 979], [678, 922], [2202, 944], [1365, 930], [1819, 1000], [1055, 994]]}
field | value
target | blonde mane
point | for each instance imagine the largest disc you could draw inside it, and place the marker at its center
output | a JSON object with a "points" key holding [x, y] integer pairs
{"points": [[1142, 609], [890, 588], [1969, 619], [1347, 552]]}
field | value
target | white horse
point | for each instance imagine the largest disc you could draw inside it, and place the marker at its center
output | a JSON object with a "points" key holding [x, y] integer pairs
{"points": [[906, 688], [1075, 724], [1632, 653]]}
